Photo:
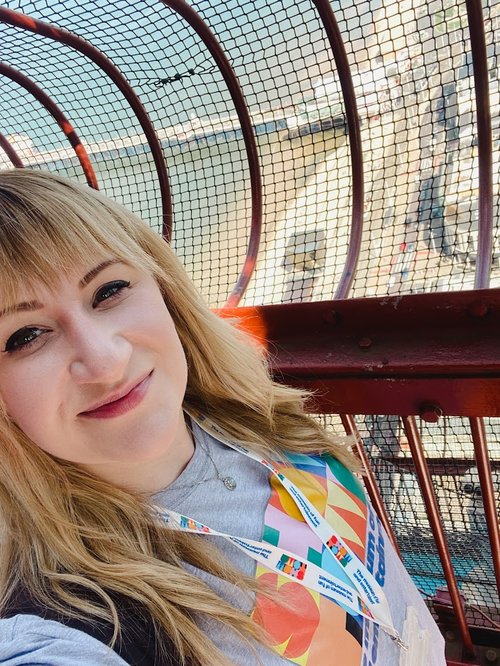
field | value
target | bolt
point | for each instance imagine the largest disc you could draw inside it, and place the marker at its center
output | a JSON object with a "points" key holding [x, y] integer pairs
{"points": [[331, 317], [478, 309], [491, 656], [365, 343], [430, 413]]}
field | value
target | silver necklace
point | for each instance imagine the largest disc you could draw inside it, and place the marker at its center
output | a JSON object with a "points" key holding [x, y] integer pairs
{"points": [[228, 481]]}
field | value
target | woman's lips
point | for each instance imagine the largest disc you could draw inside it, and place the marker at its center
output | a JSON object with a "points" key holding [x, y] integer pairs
{"points": [[123, 405]]}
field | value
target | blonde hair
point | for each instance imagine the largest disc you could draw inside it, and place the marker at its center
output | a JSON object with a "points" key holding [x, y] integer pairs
{"points": [[65, 527]]}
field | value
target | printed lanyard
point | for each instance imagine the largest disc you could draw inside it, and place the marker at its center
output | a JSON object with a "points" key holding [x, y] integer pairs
{"points": [[366, 599], [284, 562]]}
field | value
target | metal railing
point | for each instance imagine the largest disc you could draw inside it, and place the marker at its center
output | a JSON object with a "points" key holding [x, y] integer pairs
{"points": [[427, 356]]}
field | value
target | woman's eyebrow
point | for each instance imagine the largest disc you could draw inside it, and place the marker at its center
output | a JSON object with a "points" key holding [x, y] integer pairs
{"points": [[29, 306], [95, 271], [26, 306]]}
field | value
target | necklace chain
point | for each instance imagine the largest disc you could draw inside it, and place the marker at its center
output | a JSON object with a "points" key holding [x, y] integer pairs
{"points": [[228, 481]]}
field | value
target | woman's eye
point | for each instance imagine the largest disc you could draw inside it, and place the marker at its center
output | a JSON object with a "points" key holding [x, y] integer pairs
{"points": [[22, 339], [109, 291]]}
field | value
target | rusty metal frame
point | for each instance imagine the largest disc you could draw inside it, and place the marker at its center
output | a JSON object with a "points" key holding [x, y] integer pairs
{"points": [[432, 509], [201, 28], [63, 122], [485, 480], [351, 109], [420, 354], [10, 151], [24, 22], [426, 354], [480, 70]]}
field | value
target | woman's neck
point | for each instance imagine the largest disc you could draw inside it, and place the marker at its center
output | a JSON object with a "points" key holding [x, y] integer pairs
{"points": [[152, 475]]}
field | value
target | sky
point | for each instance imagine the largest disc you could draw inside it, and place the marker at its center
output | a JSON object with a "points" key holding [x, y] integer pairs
{"points": [[276, 49]]}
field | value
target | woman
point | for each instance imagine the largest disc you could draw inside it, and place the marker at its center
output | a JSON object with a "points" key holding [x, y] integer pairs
{"points": [[124, 405]]}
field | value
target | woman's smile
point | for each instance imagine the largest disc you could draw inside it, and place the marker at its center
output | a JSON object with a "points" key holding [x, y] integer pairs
{"points": [[126, 400]]}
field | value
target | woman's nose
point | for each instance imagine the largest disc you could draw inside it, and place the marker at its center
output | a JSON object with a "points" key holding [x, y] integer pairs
{"points": [[99, 354]]}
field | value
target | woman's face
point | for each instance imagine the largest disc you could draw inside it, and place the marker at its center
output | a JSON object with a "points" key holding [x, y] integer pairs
{"points": [[94, 372]]}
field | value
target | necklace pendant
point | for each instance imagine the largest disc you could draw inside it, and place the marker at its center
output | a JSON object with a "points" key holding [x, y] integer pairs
{"points": [[229, 482]]}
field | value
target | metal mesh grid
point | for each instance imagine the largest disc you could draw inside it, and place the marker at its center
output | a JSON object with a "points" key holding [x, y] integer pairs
{"points": [[412, 74], [450, 455]]}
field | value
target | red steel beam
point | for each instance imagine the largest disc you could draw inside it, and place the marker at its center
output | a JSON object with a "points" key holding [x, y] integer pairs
{"points": [[487, 491], [480, 69], [432, 509], [439, 465], [369, 478], [10, 151], [325, 11], [201, 28], [413, 354], [24, 22], [453, 396], [59, 117]]}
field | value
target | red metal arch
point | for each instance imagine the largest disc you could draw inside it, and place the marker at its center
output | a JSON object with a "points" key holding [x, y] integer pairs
{"points": [[10, 151], [59, 117], [210, 41], [480, 69], [18, 20], [351, 109]]}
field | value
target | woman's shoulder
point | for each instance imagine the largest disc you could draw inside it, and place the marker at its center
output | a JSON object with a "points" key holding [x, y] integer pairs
{"points": [[29, 639]]}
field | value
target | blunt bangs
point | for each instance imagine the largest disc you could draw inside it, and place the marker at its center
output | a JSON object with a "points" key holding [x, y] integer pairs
{"points": [[49, 226]]}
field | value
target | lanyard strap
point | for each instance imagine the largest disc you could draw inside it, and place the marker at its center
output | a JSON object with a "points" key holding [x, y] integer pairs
{"points": [[364, 596], [282, 561]]}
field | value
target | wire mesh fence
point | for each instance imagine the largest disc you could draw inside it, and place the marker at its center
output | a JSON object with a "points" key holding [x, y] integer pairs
{"points": [[412, 74], [449, 452]]}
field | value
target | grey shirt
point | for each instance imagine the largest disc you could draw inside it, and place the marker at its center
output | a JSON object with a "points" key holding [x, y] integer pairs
{"points": [[198, 493], [26, 640]]}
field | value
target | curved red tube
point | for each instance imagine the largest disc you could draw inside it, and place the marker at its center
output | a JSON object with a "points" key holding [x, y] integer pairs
{"points": [[10, 151], [210, 41], [24, 22], [340, 56], [59, 117], [480, 69]]}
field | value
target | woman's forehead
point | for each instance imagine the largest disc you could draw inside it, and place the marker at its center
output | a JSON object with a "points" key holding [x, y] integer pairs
{"points": [[33, 288], [25, 295]]}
